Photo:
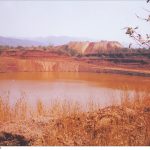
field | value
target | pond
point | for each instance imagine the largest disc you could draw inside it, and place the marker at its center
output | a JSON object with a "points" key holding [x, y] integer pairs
{"points": [[103, 89]]}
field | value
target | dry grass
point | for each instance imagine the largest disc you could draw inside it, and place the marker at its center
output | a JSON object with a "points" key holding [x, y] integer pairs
{"points": [[67, 124]]}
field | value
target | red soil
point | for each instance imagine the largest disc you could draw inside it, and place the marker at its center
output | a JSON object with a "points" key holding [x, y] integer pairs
{"points": [[18, 61]]}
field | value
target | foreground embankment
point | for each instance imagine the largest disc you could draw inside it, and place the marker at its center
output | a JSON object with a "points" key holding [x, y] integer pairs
{"points": [[67, 124]]}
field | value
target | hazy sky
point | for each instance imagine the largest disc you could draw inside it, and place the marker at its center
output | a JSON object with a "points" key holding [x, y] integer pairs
{"points": [[102, 20]]}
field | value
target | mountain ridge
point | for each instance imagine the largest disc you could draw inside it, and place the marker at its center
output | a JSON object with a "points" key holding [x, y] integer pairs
{"points": [[39, 41]]}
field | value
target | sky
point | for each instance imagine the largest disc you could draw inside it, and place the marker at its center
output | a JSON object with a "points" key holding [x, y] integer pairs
{"points": [[100, 20]]}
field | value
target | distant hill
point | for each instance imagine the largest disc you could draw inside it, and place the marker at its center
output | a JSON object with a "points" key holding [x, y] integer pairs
{"points": [[40, 41], [59, 40], [18, 42], [65, 44]]}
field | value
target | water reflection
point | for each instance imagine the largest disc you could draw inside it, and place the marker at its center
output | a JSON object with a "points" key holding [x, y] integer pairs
{"points": [[103, 89]]}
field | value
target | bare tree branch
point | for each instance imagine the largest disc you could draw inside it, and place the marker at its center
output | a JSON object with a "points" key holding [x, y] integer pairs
{"points": [[142, 41]]}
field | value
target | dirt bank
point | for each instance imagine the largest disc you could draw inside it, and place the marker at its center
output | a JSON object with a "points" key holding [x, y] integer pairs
{"points": [[65, 64]]}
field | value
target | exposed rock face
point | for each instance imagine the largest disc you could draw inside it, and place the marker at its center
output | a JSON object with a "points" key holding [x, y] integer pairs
{"points": [[27, 65], [10, 64], [94, 47]]}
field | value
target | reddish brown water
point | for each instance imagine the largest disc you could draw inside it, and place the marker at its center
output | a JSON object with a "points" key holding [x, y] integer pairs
{"points": [[81, 87]]}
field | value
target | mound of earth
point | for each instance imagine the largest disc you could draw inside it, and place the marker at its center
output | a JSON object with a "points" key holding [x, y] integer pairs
{"points": [[94, 47]]}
